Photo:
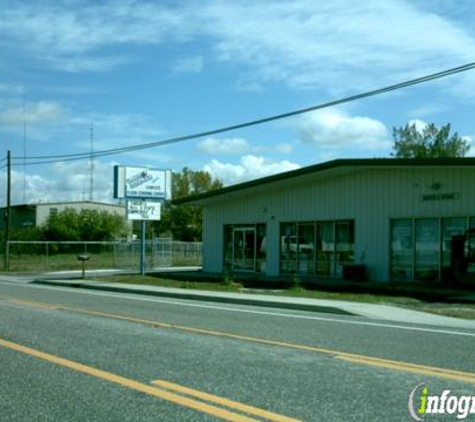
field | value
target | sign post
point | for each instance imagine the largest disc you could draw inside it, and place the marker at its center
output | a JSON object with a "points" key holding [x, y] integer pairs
{"points": [[142, 249], [144, 190]]}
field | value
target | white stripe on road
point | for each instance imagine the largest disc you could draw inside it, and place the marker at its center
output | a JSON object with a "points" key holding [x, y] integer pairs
{"points": [[245, 311]]}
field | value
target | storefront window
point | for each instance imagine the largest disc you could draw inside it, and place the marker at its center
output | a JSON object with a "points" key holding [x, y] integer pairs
{"points": [[228, 247], [401, 250], [310, 248], [325, 248], [427, 249], [306, 248], [288, 248], [450, 227], [261, 248], [344, 232], [471, 245]]}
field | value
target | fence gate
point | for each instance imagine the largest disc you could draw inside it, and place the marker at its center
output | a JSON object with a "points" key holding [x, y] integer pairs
{"points": [[162, 252]]}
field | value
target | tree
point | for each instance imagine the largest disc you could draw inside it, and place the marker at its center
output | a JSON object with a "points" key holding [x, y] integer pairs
{"points": [[84, 225], [185, 222], [430, 142]]}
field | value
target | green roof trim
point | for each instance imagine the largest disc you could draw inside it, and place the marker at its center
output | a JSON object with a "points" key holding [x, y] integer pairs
{"points": [[316, 168]]}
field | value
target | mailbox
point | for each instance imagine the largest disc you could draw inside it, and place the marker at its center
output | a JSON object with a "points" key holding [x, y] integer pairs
{"points": [[83, 258]]}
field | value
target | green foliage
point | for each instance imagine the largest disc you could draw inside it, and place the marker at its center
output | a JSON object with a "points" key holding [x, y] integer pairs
{"points": [[228, 279], [185, 222], [296, 285], [85, 225], [431, 142], [27, 234]]}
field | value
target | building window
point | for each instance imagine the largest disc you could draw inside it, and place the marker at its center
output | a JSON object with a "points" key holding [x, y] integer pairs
{"points": [[427, 251], [53, 211], [472, 240], [245, 248], [450, 227], [420, 248], [325, 249], [402, 250], [306, 248], [288, 248], [321, 247], [344, 242]]}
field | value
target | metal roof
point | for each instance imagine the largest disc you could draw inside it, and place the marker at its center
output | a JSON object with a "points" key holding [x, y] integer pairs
{"points": [[330, 169]]}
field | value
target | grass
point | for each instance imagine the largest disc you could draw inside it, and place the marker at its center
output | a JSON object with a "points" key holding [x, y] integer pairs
{"points": [[34, 263], [418, 297], [166, 282], [408, 298]]}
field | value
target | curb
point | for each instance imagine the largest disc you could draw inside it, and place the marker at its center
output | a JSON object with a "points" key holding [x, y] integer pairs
{"points": [[198, 297]]}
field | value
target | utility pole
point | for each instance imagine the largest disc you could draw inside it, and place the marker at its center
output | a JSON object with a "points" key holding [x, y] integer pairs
{"points": [[7, 215]]}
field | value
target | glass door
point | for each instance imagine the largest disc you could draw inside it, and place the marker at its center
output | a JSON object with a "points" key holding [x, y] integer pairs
{"points": [[244, 249]]}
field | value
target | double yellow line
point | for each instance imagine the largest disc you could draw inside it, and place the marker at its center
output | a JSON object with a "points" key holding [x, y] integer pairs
{"points": [[449, 374], [244, 408], [164, 390]]}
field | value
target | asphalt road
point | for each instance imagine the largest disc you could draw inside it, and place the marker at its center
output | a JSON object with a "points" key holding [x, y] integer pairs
{"points": [[70, 355]]}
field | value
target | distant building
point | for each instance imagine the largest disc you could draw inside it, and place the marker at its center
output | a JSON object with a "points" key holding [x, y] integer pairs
{"points": [[35, 215], [394, 218]]}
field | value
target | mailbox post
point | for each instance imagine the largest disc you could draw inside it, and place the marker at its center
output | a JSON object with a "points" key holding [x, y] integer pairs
{"points": [[83, 258]]}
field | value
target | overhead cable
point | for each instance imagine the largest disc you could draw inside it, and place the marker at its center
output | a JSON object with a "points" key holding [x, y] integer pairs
{"points": [[114, 151]]}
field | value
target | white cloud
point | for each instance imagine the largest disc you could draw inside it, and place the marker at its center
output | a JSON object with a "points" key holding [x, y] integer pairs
{"points": [[420, 124], [305, 44], [245, 85], [42, 112], [62, 182], [231, 146], [122, 125], [427, 110], [189, 65], [333, 131], [69, 38], [249, 167], [240, 146], [471, 142], [284, 148], [12, 88], [308, 44], [79, 64]]}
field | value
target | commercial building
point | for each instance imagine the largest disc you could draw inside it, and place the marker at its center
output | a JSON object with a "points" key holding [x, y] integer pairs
{"points": [[393, 217], [35, 215]]}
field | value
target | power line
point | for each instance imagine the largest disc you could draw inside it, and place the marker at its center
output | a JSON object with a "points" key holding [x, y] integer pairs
{"points": [[114, 151]]}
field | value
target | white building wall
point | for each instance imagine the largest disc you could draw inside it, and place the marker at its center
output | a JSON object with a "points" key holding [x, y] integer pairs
{"points": [[369, 197]]}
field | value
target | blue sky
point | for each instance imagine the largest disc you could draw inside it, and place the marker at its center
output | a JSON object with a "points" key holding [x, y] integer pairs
{"points": [[143, 71]]}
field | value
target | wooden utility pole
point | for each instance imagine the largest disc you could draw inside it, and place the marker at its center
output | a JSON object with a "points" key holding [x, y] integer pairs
{"points": [[7, 215]]}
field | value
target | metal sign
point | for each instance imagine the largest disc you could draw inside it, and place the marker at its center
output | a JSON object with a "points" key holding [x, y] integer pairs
{"points": [[143, 210], [142, 183]]}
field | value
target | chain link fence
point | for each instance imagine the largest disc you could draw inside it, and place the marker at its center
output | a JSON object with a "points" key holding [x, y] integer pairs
{"points": [[42, 256]]}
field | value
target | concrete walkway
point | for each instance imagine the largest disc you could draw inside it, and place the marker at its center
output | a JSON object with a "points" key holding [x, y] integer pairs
{"points": [[361, 309]]}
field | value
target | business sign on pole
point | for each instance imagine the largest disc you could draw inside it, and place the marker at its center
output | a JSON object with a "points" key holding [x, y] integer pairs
{"points": [[142, 183], [143, 210]]}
